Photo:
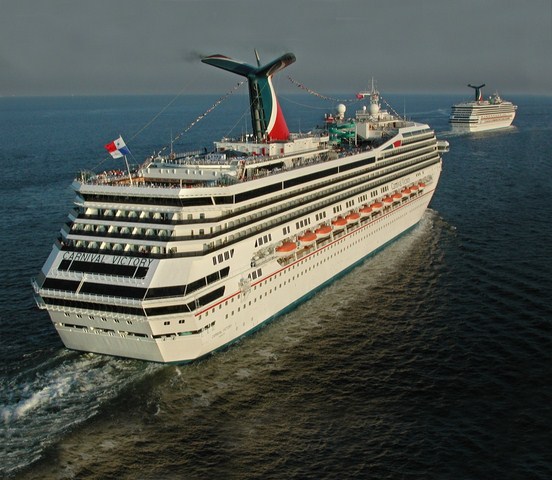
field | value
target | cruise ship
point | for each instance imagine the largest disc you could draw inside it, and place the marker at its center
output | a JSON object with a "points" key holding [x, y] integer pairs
{"points": [[188, 252], [479, 115]]}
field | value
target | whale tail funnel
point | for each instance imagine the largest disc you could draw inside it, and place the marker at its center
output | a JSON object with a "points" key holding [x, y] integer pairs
{"points": [[478, 94], [267, 118]]}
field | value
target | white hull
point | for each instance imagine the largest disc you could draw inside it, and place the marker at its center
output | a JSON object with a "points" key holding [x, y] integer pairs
{"points": [[483, 124], [246, 308]]}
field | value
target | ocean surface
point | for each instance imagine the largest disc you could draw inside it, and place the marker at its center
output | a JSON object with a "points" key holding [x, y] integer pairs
{"points": [[431, 360]]}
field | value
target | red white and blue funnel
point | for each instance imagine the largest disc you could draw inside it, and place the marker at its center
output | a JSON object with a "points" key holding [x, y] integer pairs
{"points": [[478, 94], [266, 114]]}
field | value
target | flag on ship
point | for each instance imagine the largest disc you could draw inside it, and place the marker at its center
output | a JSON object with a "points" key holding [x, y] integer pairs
{"points": [[117, 148]]}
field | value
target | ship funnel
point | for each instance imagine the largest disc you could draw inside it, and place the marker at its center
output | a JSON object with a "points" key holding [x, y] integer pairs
{"points": [[478, 94], [266, 115]]}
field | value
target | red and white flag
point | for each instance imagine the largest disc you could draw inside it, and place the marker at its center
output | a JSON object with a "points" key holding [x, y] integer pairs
{"points": [[117, 148]]}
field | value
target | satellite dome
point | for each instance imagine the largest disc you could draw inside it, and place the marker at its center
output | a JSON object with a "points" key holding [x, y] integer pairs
{"points": [[374, 108], [341, 109]]}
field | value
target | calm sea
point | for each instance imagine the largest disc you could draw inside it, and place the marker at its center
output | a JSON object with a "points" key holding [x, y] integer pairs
{"points": [[432, 360]]}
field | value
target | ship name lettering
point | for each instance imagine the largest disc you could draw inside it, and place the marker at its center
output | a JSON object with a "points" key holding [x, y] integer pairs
{"points": [[84, 257], [133, 261], [100, 258]]}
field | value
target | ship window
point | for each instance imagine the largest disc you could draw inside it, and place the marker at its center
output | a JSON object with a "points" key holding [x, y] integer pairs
{"points": [[167, 323], [258, 192], [213, 277], [192, 287]]}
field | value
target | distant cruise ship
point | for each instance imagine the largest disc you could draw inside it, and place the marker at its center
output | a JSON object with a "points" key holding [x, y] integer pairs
{"points": [[187, 253], [480, 114]]}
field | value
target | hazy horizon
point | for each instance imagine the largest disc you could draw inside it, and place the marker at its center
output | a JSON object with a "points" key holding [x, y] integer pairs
{"points": [[64, 48]]}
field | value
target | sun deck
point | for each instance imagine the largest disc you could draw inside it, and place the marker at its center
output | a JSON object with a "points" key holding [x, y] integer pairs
{"points": [[236, 161]]}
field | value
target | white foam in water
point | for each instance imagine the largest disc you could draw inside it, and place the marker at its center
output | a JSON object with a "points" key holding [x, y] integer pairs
{"points": [[40, 405], [49, 393]]}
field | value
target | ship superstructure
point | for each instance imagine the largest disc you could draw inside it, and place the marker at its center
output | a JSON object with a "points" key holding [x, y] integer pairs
{"points": [[191, 251], [479, 115]]}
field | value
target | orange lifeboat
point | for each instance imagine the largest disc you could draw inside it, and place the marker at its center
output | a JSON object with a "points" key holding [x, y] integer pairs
{"points": [[414, 189], [421, 185], [323, 231], [396, 196], [287, 248], [406, 191], [352, 217], [307, 238], [388, 200], [376, 206], [339, 222], [366, 210]]}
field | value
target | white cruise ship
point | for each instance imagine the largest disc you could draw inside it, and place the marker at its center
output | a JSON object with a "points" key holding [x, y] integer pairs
{"points": [[189, 252], [480, 115]]}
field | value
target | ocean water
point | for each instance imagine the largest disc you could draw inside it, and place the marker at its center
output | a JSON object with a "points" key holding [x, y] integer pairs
{"points": [[432, 359]]}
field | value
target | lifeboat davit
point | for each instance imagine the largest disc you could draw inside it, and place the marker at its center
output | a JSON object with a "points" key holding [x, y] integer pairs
{"points": [[307, 238], [366, 210], [323, 231], [287, 248], [352, 217], [376, 206], [339, 222]]}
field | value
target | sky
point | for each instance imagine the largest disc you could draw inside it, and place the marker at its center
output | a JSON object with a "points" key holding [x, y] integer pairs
{"points": [[98, 47]]}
